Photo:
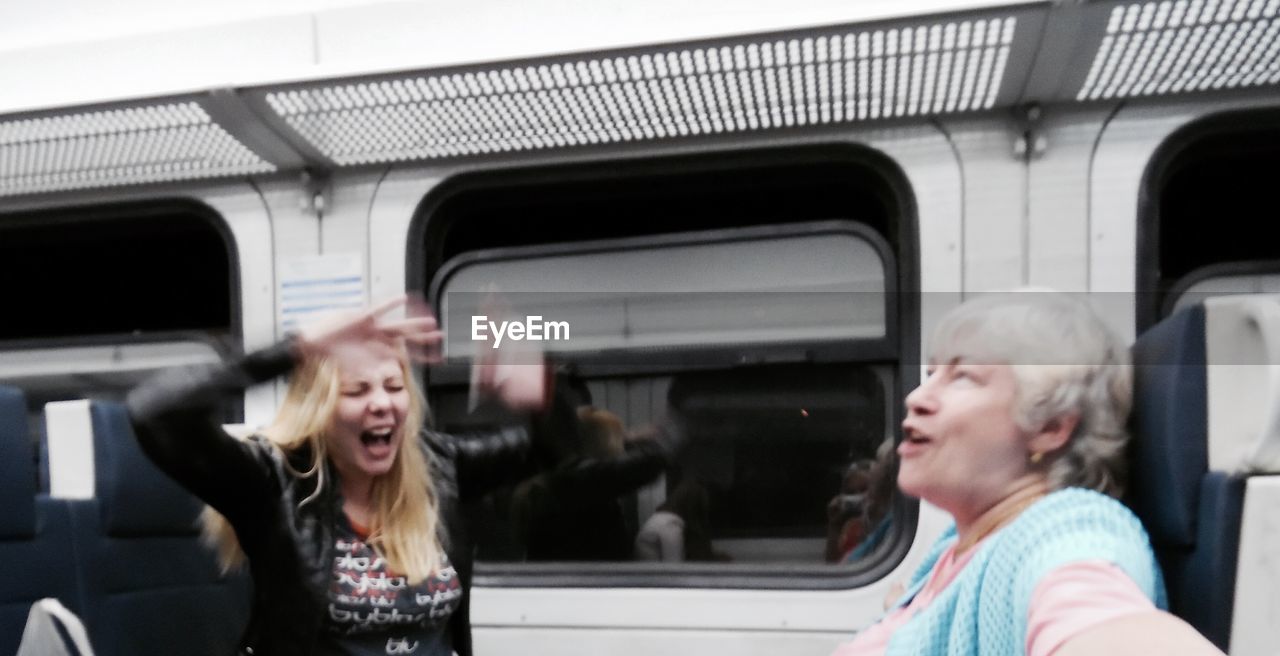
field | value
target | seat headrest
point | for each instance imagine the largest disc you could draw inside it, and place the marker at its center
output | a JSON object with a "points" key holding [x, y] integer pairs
{"points": [[136, 498], [1242, 343], [1168, 453], [17, 468]]}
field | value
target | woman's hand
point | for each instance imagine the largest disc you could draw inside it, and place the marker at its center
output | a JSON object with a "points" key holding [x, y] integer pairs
{"points": [[418, 331], [520, 386]]}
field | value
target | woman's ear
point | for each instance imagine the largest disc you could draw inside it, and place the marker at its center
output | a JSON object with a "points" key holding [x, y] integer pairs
{"points": [[1055, 434]]}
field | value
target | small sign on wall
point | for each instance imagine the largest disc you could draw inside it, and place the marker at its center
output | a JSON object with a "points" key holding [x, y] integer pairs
{"points": [[314, 285]]}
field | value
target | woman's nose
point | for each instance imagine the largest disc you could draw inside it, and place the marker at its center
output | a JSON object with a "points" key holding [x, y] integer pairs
{"points": [[921, 400], [379, 400]]}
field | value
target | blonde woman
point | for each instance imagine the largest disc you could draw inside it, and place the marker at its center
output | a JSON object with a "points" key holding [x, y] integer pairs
{"points": [[345, 507]]}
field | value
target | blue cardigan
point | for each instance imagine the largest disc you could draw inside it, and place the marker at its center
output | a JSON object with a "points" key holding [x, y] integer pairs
{"points": [[984, 610]]}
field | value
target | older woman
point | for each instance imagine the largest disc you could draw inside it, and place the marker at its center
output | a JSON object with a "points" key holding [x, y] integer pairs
{"points": [[1018, 433]]}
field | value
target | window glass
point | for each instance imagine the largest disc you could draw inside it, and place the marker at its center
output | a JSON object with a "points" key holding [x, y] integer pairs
{"points": [[767, 289], [109, 295], [115, 271], [776, 451], [768, 450]]}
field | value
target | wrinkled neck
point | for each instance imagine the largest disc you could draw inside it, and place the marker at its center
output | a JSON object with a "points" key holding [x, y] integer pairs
{"points": [[971, 530]]}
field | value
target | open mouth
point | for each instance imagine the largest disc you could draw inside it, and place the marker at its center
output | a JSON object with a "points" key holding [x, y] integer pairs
{"points": [[377, 436], [913, 436]]}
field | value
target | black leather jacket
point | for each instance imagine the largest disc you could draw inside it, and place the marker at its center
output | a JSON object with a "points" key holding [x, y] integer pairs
{"points": [[290, 544]]}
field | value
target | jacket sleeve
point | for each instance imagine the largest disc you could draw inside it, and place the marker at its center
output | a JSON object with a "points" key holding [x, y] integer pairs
{"points": [[174, 417], [642, 462]]}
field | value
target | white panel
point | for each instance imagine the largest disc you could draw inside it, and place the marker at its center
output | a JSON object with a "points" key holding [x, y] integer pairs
{"points": [[449, 32], [69, 439], [994, 203], [390, 214], [933, 171], [1058, 199], [242, 207], [1255, 621], [164, 63], [835, 611], [344, 227], [1242, 344], [652, 642]]}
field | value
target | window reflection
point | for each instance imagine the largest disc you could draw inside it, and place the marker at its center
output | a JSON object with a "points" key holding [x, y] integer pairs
{"points": [[767, 447]]}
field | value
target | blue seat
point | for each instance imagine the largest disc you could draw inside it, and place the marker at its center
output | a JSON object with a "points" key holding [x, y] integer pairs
{"points": [[1193, 514], [35, 532], [151, 587]]}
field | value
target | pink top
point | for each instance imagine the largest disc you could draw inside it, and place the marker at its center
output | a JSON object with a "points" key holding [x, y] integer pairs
{"points": [[1069, 600]]}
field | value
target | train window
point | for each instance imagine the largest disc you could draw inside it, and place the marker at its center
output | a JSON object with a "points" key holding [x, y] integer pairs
{"points": [[1206, 226], [111, 294], [828, 284], [752, 297]]}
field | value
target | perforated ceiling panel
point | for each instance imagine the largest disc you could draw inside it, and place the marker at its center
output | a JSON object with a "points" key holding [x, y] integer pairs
{"points": [[1189, 45], [748, 85], [118, 147]]}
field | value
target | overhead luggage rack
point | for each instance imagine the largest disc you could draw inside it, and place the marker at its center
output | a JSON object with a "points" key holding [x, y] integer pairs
{"points": [[922, 68], [119, 146], [1174, 46]]}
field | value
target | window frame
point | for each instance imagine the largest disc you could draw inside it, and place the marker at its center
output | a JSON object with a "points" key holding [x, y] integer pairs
{"points": [[1152, 302], [82, 214], [71, 216], [902, 242]]}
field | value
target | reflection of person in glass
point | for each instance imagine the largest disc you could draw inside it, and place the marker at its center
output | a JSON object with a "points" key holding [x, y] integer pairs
{"points": [[1018, 432], [859, 519], [573, 511], [846, 512], [345, 507], [680, 529]]}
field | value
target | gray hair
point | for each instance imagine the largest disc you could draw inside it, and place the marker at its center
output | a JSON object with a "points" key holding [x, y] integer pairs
{"points": [[1067, 362]]}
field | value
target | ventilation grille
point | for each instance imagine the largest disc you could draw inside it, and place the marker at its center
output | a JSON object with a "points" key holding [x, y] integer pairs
{"points": [[931, 69], [1169, 47], [119, 147]]}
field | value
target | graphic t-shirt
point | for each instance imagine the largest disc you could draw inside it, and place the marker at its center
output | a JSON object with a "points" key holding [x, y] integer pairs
{"points": [[375, 612]]}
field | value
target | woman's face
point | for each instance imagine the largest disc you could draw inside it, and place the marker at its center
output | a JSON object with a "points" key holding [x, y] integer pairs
{"points": [[368, 422], [962, 450]]}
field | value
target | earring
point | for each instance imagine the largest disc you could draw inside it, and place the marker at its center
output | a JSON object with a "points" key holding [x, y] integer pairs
{"points": [[1036, 457]]}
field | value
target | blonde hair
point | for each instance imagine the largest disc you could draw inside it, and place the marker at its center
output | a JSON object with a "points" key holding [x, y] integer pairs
{"points": [[405, 529], [603, 435]]}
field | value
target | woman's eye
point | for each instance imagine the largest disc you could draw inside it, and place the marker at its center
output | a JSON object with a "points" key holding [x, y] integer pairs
{"points": [[394, 388]]}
